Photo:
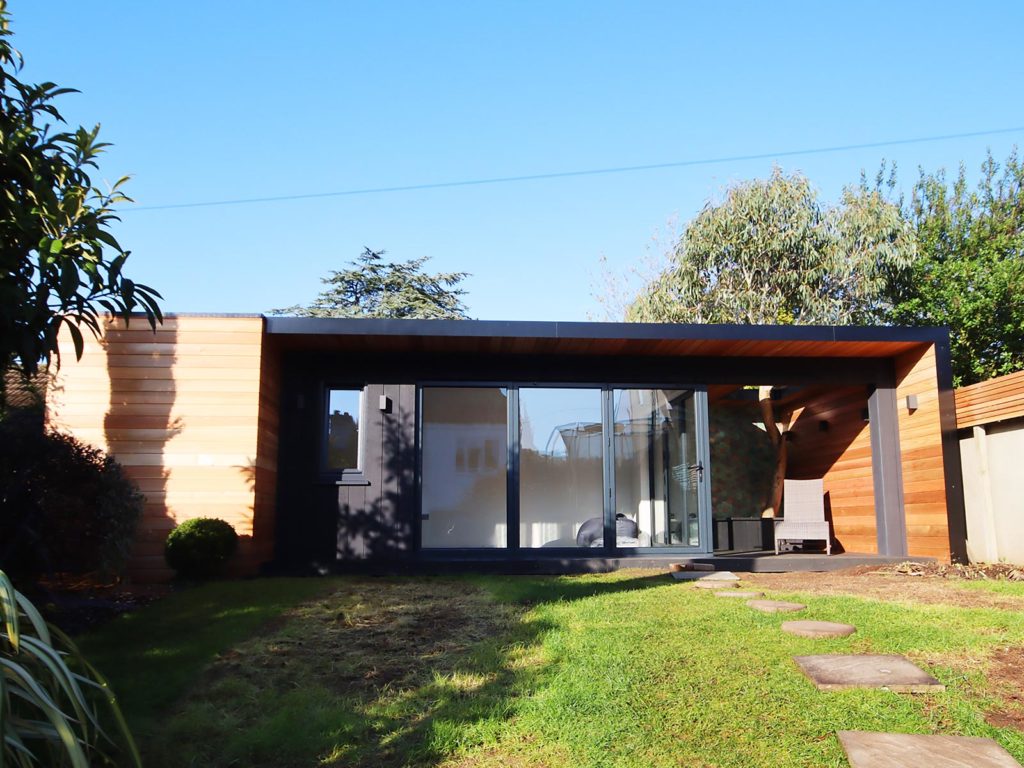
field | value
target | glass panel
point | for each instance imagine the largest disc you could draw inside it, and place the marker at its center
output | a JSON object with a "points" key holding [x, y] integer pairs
{"points": [[656, 475], [343, 429], [744, 461], [561, 481], [465, 455]]}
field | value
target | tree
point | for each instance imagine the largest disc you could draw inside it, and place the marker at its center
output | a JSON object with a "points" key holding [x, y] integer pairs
{"points": [[970, 272], [771, 253], [373, 287], [59, 263]]}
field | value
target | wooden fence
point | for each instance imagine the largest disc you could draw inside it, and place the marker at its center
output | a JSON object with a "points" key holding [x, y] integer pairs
{"points": [[990, 417]]}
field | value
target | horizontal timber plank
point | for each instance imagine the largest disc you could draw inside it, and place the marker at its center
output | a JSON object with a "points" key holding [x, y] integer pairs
{"points": [[167, 338], [116, 362], [185, 350], [173, 460], [196, 372], [194, 323], [226, 407], [180, 387]]}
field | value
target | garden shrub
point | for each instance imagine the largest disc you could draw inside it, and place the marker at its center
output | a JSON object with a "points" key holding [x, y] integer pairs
{"points": [[201, 547], [65, 507]]}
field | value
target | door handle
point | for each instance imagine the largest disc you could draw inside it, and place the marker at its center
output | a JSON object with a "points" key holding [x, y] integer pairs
{"points": [[699, 468]]}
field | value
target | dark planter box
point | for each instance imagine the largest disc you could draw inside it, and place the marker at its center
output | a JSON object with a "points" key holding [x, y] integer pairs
{"points": [[744, 534]]}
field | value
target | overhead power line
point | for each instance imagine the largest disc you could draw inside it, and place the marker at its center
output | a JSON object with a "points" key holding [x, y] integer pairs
{"points": [[571, 174]]}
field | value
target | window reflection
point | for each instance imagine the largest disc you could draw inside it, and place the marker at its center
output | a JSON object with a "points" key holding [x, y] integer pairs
{"points": [[343, 429], [465, 448], [560, 468], [656, 466]]}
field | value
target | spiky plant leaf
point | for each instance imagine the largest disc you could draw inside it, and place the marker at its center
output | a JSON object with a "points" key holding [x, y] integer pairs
{"points": [[52, 701]]}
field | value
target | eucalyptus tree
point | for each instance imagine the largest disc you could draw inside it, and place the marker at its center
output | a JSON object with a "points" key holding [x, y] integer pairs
{"points": [[771, 253]]}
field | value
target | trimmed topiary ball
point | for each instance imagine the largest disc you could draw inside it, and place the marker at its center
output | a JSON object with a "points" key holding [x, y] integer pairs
{"points": [[201, 547]]}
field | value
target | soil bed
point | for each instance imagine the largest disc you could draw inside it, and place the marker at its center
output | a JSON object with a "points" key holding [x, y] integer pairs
{"points": [[929, 586]]}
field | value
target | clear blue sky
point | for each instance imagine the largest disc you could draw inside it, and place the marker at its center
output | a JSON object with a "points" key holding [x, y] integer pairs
{"points": [[226, 100]]}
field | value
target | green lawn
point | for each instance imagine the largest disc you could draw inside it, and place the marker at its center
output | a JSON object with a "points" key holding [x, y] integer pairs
{"points": [[629, 669], [999, 586]]}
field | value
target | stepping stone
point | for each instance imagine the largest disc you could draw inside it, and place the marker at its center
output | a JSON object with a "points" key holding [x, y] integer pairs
{"points": [[775, 606], [836, 672], [818, 628], [709, 575], [706, 585], [746, 594], [904, 750]]}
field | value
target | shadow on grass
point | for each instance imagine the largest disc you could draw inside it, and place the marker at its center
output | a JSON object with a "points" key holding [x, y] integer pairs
{"points": [[153, 656], [483, 688], [536, 590], [383, 672]]}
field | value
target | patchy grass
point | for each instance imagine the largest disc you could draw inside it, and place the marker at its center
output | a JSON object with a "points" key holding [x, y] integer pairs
{"points": [[999, 586], [380, 672], [154, 655], [628, 669]]}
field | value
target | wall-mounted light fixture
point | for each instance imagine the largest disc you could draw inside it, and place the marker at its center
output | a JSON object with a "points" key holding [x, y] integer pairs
{"points": [[911, 403], [385, 404]]}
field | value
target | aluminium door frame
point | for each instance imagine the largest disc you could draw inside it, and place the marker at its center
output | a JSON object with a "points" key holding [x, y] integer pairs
{"points": [[704, 512], [512, 549]]}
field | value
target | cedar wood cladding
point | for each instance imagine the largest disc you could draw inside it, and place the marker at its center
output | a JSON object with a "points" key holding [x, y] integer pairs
{"points": [[990, 401], [928, 468], [190, 411], [841, 456]]}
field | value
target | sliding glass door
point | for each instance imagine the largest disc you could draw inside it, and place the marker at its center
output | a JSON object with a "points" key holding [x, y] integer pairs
{"points": [[659, 469], [583, 468], [561, 470], [464, 467]]}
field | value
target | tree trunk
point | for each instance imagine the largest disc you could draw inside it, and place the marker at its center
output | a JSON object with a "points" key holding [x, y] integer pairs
{"points": [[778, 439]]}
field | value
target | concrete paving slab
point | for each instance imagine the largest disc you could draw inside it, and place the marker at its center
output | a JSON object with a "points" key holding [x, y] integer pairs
{"points": [[746, 594], [903, 750], [775, 606], [818, 629], [834, 672], [703, 584], [709, 575]]}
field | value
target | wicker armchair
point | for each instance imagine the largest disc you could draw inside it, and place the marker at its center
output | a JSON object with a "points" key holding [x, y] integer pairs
{"points": [[803, 514]]}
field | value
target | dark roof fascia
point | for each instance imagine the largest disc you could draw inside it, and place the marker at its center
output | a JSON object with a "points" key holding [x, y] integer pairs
{"points": [[316, 326]]}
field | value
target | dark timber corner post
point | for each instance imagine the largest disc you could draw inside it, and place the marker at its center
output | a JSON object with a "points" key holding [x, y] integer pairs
{"points": [[955, 507], [890, 520]]}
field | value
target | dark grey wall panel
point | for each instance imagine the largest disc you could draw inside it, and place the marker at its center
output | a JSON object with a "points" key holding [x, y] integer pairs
{"points": [[375, 519]]}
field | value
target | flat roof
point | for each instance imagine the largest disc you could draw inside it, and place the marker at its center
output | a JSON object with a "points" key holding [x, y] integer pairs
{"points": [[646, 339]]}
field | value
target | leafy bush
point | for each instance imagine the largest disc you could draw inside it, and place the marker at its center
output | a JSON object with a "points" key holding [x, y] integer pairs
{"points": [[200, 548], [64, 506], [51, 699]]}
